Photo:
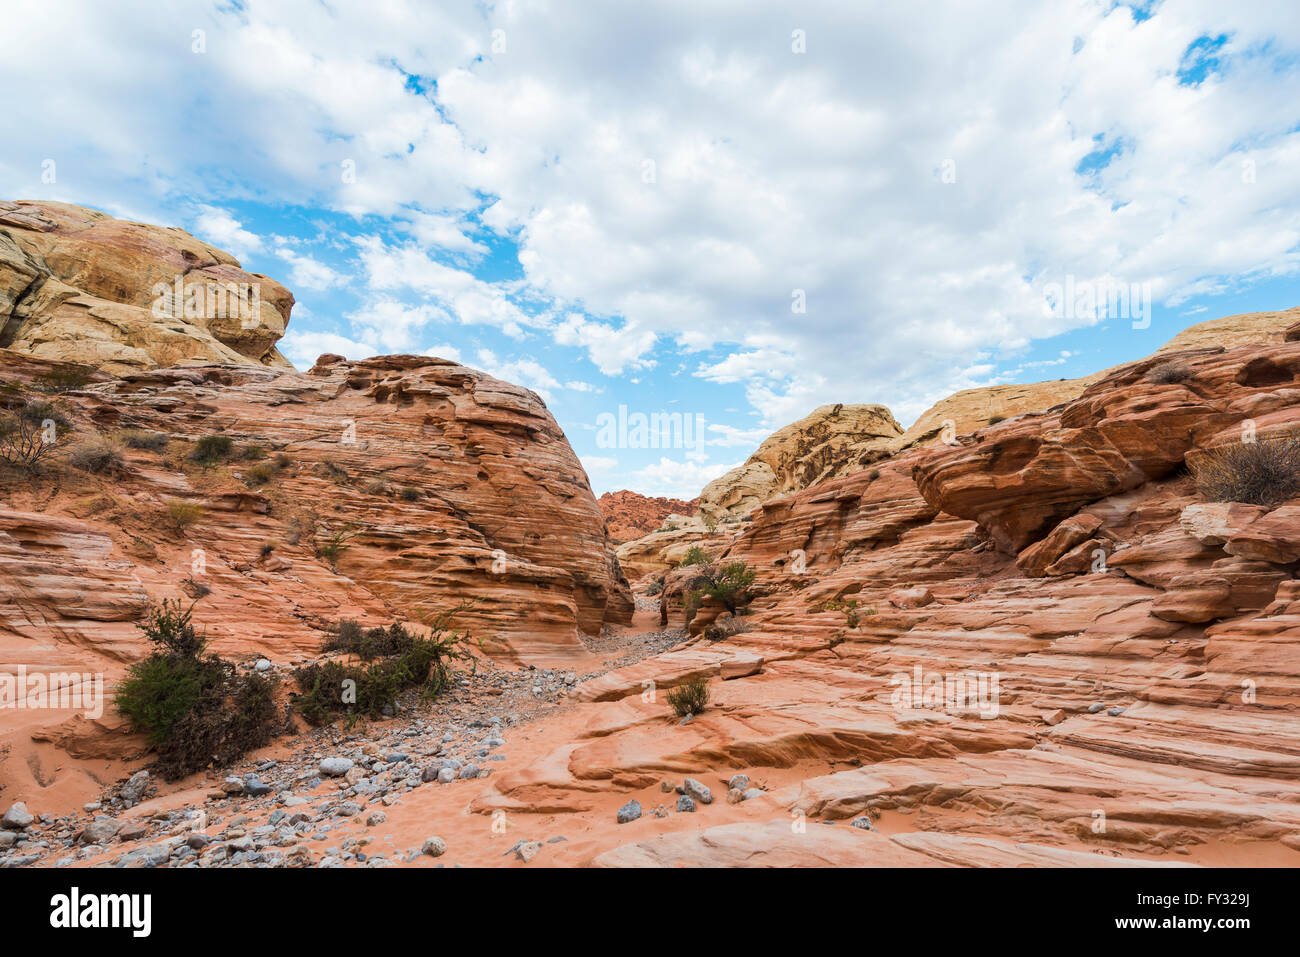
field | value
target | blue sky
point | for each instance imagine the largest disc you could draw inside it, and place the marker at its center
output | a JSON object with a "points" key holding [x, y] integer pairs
{"points": [[629, 206]]}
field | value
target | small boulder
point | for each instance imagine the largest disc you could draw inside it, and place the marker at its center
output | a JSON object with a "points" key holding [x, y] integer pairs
{"points": [[100, 829], [698, 790], [17, 817], [434, 847], [629, 812], [335, 767], [132, 831]]}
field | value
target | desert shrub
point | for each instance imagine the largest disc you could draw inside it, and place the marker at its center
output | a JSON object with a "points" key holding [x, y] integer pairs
{"points": [[296, 527], [266, 549], [263, 473], [1263, 472], [377, 486], [64, 379], [347, 634], [26, 443], [995, 419], [252, 453], [656, 587], [331, 548], [144, 439], [729, 584], [194, 709], [210, 449], [873, 474], [392, 660], [195, 588], [96, 455], [170, 628], [331, 470], [721, 630], [182, 514], [281, 460], [694, 556], [847, 605], [41, 413], [222, 727], [689, 697], [410, 494], [1169, 373], [163, 688]]}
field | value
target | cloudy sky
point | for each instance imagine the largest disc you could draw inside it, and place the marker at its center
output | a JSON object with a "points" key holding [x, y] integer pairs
{"points": [[732, 210]]}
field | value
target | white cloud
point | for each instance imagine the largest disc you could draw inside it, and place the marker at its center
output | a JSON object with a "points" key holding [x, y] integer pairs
{"points": [[772, 172], [392, 324], [445, 351], [676, 478], [305, 272], [729, 436], [302, 347], [222, 230], [457, 293]]}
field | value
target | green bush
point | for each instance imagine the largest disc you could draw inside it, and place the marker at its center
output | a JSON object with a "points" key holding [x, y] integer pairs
{"points": [[194, 709], [694, 556], [331, 548], [689, 697], [410, 494], [211, 449], [394, 659], [729, 584], [182, 514], [163, 688]]}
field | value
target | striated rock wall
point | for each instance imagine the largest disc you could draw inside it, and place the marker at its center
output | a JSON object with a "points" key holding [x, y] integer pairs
{"points": [[1145, 644], [437, 483], [630, 515], [81, 286]]}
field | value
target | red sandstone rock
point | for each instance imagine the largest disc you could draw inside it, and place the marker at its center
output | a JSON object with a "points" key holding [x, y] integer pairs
{"points": [[629, 516]]}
